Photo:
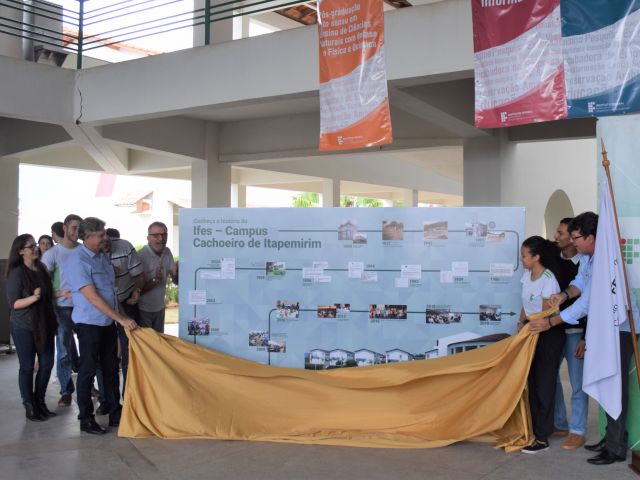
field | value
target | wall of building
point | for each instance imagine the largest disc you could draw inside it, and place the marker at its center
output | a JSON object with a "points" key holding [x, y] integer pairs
{"points": [[532, 171]]}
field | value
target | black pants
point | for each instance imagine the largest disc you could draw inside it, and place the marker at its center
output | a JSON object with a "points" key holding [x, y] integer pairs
{"points": [[616, 435], [542, 381], [98, 347]]}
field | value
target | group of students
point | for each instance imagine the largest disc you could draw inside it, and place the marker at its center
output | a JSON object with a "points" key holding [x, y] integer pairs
{"points": [[554, 279], [93, 289]]}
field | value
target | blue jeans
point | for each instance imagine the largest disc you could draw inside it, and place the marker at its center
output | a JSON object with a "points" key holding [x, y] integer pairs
{"points": [[26, 349], [67, 352], [579, 399]]}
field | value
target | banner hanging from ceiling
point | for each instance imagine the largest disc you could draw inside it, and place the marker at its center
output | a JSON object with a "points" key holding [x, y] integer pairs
{"points": [[354, 102], [541, 60], [519, 71], [601, 44]]}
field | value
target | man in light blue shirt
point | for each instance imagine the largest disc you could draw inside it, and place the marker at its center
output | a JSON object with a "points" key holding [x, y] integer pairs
{"points": [[91, 278], [583, 228]]}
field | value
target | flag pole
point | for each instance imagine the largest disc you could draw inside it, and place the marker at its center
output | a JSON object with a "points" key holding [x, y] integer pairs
{"points": [[605, 164]]}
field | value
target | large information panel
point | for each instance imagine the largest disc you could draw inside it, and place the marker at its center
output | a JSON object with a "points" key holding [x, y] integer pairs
{"points": [[328, 288]]}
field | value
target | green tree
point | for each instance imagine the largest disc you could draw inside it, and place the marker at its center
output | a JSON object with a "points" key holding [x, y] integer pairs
{"points": [[306, 199], [350, 201]]}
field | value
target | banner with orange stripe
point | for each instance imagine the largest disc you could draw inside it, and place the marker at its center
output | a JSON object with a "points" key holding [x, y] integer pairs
{"points": [[354, 102]]}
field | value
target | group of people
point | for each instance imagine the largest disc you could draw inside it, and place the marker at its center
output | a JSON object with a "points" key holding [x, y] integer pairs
{"points": [[96, 289], [558, 274]]}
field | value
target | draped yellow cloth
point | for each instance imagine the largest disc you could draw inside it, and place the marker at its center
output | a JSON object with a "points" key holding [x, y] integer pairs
{"points": [[176, 389]]}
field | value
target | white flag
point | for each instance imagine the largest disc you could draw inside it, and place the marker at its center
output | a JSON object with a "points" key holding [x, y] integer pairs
{"points": [[607, 311]]}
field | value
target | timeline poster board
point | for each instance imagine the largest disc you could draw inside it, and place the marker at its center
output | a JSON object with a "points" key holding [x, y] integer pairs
{"points": [[334, 287]]}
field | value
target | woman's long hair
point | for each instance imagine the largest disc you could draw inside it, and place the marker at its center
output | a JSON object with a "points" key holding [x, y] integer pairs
{"points": [[15, 259], [546, 249]]}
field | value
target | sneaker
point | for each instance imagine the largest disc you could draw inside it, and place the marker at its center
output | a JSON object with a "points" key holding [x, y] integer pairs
{"points": [[65, 400], [573, 442], [536, 446]]}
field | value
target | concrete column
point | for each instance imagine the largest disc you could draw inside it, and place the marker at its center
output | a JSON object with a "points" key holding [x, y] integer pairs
{"points": [[211, 180], [9, 200], [221, 31], [410, 198], [238, 195], [10, 46], [330, 192], [240, 26], [482, 162]]}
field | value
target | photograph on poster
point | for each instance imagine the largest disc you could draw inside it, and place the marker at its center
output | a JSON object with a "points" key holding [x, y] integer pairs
{"points": [[287, 309], [275, 269], [388, 312], [476, 229], [258, 338], [490, 313], [438, 230], [327, 311], [198, 326], [392, 230], [360, 238], [343, 310], [442, 316], [277, 344], [347, 230], [496, 237]]}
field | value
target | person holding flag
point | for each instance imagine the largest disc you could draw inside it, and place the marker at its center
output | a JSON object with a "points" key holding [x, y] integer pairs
{"points": [[599, 288]]}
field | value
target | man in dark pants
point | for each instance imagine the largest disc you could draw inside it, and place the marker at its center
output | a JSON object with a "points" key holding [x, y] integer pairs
{"points": [[129, 283], [613, 447], [92, 282]]}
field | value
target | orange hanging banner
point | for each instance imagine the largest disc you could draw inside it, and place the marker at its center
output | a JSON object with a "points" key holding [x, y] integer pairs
{"points": [[354, 102]]}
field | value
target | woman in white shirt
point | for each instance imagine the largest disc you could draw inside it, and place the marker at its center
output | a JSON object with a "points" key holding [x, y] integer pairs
{"points": [[538, 257]]}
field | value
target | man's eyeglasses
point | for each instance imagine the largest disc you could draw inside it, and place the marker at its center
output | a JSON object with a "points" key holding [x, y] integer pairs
{"points": [[576, 237], [159, 235]]}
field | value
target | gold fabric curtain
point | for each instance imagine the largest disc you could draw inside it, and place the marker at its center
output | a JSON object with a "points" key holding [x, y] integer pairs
{"points": [[179, 390]]}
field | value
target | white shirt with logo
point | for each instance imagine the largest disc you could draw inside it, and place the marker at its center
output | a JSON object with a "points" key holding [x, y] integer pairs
{"points": [[535, 291]]}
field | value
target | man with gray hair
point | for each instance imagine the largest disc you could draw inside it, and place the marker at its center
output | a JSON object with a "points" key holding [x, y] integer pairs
{"points": [[158, 263], [92, 281]]}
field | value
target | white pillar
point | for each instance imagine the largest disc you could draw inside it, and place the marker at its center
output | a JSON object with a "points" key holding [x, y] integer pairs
{"points": [[221, 31], [211, 180], [330, 192], [410, 198], [238, 195], [9, 179], [482, 162]]}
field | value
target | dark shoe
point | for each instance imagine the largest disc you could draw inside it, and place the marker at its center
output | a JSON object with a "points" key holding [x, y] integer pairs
{"points": [[114, 423], [92, 427], [605, 458], [103, 409], [32, 413], [45, 411], [596, 447], [65, 400], [536, 447]]}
